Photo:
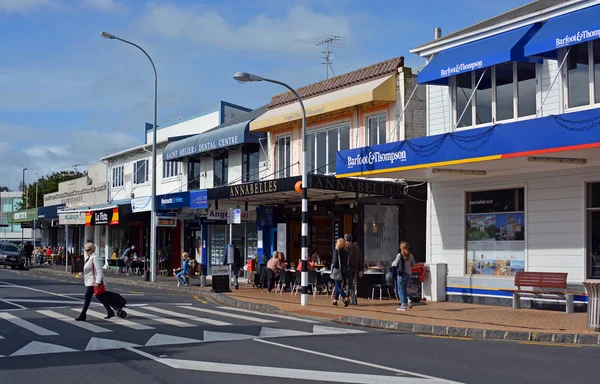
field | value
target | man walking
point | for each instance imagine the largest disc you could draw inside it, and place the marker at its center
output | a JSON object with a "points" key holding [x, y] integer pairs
{"points": [[356, 267]]}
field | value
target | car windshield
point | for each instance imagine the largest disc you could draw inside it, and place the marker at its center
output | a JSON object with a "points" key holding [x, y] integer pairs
{"points": [[8, 248]]}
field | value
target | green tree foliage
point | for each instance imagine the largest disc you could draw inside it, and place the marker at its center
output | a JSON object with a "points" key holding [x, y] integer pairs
{"points": [[4, 189], [46, 184]]}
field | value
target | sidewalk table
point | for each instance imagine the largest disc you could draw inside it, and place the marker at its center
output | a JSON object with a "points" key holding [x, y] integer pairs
{"points": [[593, 290]]}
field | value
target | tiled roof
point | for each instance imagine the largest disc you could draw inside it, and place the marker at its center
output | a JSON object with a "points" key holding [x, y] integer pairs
{"points": [[362, 75], [534, 6]]}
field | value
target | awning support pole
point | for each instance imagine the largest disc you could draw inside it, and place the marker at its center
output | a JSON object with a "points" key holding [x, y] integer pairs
{"points": [[470, 98], [553, 81]]}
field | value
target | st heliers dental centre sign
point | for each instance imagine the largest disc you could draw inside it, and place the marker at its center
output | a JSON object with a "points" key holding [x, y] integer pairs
{"points": [[204, 147]]}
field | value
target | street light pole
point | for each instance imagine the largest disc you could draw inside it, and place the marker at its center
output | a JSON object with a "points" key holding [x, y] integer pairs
{"points": [[244, 77], [107, 35], [34, 231], [25, 194]]}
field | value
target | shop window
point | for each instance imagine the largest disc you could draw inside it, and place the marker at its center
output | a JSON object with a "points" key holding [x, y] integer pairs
{"points": [[221, 165], [593, 230], [323, 146], [193, 174], [495, 232], [250, 165], [283, 157], [140, 172], [494, 99], [381, 234], [578, 75], [117, 176], [376, 130], [170, 169]]}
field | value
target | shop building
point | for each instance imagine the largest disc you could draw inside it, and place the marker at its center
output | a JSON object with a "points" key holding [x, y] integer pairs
{"points": [[510, 157], [9, 201], [365, 107]]}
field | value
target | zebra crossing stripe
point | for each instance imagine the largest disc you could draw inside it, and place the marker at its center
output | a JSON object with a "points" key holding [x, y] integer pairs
{"points": [[116, 320], [232, 315], [80, 324], [188, 317], [271, 315], [26, 325], [174, 322]]}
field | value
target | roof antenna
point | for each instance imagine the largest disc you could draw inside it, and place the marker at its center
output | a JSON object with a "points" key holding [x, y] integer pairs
{"points": [[176, 117], [327, 41]]}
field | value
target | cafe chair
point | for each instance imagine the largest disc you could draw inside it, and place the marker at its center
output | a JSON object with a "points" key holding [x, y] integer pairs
{"points": [[387, 284], [280, 283], [297, 283]]}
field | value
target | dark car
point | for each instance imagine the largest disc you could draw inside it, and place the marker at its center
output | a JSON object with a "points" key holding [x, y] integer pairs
{"points": [[11, 255]]}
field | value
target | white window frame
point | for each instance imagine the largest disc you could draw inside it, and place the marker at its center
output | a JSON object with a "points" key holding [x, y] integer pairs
{"points": [[591, 79], [282, 170], [368, 127], [474, 79], [118, 174], [170, 170], [315, 131], [135, 169]]}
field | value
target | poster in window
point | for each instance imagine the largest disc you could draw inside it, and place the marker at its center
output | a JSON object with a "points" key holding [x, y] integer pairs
{"points": [[496, 244], [381, 232]]}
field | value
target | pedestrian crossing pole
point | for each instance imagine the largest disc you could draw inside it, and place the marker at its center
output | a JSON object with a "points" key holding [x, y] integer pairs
{"points": [[304, 255]]}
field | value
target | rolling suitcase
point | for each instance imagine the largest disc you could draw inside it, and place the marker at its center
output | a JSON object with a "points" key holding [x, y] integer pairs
{"points": [[117, 302]]}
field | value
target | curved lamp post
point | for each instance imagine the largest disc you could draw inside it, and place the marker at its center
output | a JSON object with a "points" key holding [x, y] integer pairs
{"points": [[244, 77], [107, 35]]}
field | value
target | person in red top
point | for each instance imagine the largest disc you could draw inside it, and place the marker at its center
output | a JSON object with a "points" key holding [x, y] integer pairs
{"points": [[48, 251], [310, 264]]}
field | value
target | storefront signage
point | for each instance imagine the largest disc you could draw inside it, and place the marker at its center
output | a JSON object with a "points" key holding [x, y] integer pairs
{"points": [[166, 221], [72, 218], [376, 157], [265, 217], [204, 147], [214, 214], [49, 213], [250, 189], [199, 199], [141, 204], [221, 278], [173, 201], [23, 216], [461, 67], [578, 37], [102, 217], [357, 186], [96, 195], [309, 112], [236, 216]]}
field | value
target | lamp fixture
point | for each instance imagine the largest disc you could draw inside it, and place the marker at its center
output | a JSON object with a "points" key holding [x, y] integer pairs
{"points": [[459, 171], [565, 160]]}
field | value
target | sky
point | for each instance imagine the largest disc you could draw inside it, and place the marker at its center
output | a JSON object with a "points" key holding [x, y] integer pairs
{"points": [[69, 97]]}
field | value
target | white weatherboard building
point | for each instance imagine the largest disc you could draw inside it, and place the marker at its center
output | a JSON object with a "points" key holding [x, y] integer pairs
{"points": [[511, 156]]}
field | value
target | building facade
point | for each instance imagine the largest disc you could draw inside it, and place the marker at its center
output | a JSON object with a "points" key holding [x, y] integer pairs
{"points": [[9, 201], [509, 157]]}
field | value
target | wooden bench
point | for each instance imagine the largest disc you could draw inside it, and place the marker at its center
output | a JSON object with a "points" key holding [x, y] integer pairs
{"points": [[543, 284]]}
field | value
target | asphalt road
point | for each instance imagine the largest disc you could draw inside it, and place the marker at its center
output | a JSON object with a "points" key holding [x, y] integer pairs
{"points": [[176, 338]]}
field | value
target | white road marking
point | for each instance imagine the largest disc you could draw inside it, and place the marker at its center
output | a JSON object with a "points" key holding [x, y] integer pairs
{"points": [[278, 332], [38, 348], [81, 324], [116, 320], [42, 291], [163, 320], [188, 317], [13, 304], [322, 330], [355, 361], [27, 325], [83, 294], [1, 337], [232, 315], [224, 336], [271, 315], [286, 373], [44, 301], [97, 344], [159, 339]]}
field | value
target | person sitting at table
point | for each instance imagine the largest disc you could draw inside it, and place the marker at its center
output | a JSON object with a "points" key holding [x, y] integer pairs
{"points": [[309, 262], [115, 254]]}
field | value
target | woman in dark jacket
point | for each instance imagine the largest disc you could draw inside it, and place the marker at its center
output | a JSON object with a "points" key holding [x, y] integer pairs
{"points": [[340, 261]]}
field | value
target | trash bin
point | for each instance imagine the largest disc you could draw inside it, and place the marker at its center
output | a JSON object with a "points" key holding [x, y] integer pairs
{"points": [[593, 290]]}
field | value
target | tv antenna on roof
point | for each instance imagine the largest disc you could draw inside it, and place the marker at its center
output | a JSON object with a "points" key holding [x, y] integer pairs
{"points": [[176, 117], [327, 41]]}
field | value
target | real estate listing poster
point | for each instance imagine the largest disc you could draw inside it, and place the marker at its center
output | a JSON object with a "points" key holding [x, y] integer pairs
{"points": [[495, 243]]}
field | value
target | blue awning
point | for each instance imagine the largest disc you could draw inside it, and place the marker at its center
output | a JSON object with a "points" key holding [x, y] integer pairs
{"points": [[217, 138], [507, 46], [50, 212], [566, 30]]}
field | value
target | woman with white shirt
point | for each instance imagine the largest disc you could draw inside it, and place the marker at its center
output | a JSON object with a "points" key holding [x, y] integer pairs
{"points": [[92, 278]]}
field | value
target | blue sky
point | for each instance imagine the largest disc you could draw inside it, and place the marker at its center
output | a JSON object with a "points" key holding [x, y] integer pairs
{"points": [[68, 96]]}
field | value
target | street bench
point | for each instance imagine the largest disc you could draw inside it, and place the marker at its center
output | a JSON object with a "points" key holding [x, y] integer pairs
{"points": [[542, 284]]}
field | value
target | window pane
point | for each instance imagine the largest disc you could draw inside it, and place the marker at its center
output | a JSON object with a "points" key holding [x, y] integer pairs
{"points": [[321, 152], [253, 164], [526, 92], [503, 200], [484, 96], [225, 174], [372, 131], [344, 138], [382, 130], [463, 92], [332, 150], [218, 172], [288, 155], [578, 75], [594, 244], [504, 91], [596, 47], [310, 152]]}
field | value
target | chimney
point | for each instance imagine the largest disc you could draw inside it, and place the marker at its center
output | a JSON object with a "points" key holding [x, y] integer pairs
{"points": [[437, 33]]}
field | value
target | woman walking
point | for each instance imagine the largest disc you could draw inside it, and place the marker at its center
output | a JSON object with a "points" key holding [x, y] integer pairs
{"points": [[404, 264], [93, 279], [339, 268]]}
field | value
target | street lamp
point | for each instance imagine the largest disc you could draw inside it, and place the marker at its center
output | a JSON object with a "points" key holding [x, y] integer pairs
{"points": [[244, 77], [107, 35], [26, 206]]}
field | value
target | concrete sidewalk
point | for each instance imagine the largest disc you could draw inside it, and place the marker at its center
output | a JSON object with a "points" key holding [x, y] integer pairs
{"points": [[435, 318]]}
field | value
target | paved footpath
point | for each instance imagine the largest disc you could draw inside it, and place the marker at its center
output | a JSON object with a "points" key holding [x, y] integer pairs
{"points": [[443, 319]]}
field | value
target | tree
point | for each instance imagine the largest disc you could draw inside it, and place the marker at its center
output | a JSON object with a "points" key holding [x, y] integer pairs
{"points": [[46, 184], [4, 189]]}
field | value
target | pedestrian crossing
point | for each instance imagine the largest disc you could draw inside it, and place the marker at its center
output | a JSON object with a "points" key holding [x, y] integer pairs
{"points": [[44, 331]]}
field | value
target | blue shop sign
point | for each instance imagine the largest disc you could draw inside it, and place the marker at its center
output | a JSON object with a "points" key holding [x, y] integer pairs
{"points": [[173, 201], [198, 199]]}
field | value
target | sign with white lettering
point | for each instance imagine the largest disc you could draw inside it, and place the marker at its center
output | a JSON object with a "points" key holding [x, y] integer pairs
{"points": [[236, 216], [108, 216], [205, 146], [173, 201], [214, 214], [71, 218], [141, 204]]}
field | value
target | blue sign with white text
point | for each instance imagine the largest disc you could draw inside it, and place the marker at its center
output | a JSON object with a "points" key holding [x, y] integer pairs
{"points": [[173, 201], [198, 199]]}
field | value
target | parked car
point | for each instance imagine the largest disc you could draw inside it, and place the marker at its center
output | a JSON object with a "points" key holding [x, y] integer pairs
{"points": [[11, 255]]}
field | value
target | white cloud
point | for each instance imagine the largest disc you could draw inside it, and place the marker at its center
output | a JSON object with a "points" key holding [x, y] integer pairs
{"points": [[22, 6], [261, 32], [108, 6]]}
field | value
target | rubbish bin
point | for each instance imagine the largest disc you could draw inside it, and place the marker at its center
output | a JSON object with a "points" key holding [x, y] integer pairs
{"points": [[593, 290]]}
